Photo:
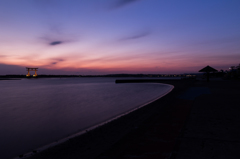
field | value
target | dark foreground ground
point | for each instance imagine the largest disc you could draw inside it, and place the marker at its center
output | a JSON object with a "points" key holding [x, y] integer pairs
{"points": [[197, 120]]}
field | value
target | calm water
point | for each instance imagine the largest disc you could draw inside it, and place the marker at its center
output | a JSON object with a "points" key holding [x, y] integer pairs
{"points": [[36, 112]]}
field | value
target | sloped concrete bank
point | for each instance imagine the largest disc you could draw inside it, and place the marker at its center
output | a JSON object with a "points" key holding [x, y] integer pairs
{"points": [[95, 142]]}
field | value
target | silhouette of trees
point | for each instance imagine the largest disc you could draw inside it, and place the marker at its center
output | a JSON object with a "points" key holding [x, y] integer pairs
{"points": [[234, 72], [238, 66]]}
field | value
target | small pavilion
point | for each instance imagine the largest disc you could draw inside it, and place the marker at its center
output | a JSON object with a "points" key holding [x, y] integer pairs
{"points": [[208, 69]]}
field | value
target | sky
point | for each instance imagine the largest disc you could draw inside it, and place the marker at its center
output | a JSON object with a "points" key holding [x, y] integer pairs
{"points": [[88, 37]]}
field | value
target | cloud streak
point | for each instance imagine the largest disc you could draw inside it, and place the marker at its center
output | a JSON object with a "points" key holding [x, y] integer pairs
{"points": [[55, 40], [136, 36], [56, 61], [56, 36], [122, 3], [3, 56], [56, 43]]}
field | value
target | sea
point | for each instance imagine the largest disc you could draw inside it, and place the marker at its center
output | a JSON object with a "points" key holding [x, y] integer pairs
{"points": [[37, 112]]}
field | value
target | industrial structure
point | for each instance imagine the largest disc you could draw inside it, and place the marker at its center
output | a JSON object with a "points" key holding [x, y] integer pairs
{"points": [[31, 69]]}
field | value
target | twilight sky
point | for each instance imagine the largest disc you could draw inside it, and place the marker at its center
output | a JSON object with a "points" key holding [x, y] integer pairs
{"points": [[118, 36]]}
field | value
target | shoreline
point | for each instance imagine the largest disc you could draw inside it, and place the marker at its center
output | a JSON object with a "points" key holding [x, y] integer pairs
{"points": [[96, 141], [89, 129]]}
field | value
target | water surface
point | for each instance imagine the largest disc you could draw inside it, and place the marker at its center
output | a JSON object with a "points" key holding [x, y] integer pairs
{"points": [[36, 112]]}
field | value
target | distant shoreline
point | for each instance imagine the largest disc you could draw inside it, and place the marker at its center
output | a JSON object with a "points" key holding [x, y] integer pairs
{"points": [[107, 75], [10, 79]]}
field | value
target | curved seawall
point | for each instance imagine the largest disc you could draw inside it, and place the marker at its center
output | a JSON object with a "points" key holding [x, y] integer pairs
{"points": [[88, 130], [38, 112]]}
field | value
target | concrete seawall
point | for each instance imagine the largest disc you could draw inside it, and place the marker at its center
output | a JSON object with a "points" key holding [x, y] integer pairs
{"points": [[101, 139]]}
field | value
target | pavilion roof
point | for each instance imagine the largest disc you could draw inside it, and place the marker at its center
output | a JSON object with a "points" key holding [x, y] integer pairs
{"points": [[208, 69]]}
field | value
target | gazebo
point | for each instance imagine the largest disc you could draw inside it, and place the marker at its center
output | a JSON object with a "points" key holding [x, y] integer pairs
{"points": [[208, 69]]}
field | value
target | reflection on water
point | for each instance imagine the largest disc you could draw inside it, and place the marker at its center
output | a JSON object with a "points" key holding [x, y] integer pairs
{"points": [[35, 112]]}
